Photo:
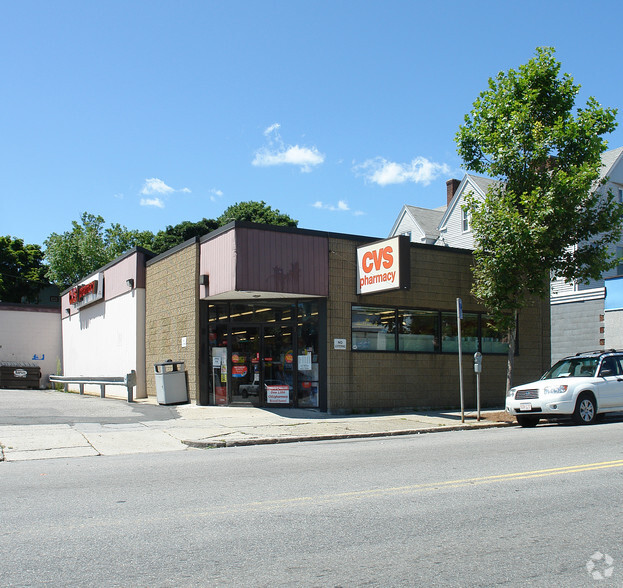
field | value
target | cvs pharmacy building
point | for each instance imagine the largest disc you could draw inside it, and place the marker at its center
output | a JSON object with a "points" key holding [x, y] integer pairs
{"points": [[275, 316]]}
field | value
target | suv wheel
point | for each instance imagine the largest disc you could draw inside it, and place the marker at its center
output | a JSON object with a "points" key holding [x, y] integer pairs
{"points": [[527, 421], [585, 410]]}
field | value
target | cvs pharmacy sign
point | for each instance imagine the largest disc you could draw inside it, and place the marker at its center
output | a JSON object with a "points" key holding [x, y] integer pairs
{"points": [[383, 265]]}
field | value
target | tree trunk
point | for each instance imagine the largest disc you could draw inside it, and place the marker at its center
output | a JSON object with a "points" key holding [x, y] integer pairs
{"points": [[512, 339]]}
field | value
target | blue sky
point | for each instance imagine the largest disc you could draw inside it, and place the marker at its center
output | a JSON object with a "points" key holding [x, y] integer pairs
{"points": [[336, 113]]}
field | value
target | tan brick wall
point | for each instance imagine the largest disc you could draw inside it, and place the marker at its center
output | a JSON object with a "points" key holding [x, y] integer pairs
{"points": [[369, 380], [172, 312]]}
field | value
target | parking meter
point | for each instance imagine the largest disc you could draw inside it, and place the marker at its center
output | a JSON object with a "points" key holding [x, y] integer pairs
{"points": [[477, 371], [478, 362]]}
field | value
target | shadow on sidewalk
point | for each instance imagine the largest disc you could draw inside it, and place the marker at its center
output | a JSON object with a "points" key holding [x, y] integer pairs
{"points": [[50, 407]]}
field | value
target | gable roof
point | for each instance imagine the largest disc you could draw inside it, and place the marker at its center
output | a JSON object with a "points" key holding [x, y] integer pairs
{"points": [[609, 159], [427, 219], [432, 220], [469, 183]]}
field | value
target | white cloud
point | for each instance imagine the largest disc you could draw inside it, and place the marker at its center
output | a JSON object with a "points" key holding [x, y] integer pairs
{"points": [[341, 206], [382, 172], [152, 202], [214, 194], [304, 157], [271, 128], [155, 186], [277, 153]]}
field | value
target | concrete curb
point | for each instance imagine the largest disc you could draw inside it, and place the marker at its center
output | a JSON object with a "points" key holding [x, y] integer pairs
{"points": [[337, 436]]}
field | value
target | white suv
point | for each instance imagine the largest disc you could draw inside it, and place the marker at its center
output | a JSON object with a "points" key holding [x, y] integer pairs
{"points": [[582, 386]]}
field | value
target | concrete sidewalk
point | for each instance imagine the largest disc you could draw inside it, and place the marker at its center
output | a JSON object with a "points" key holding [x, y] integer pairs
{"points": [[70, 425]]}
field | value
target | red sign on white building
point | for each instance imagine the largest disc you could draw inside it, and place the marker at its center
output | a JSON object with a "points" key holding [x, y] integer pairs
{"points": [[84, 294]]}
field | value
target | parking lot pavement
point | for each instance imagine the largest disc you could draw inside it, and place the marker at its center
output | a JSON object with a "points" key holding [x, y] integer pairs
{"points": [[41, 424]]}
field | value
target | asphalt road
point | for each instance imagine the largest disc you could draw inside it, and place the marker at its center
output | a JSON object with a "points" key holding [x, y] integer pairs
{"points": [[500, 507]]}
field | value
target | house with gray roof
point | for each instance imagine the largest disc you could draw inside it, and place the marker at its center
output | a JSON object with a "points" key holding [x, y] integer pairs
{"points": [[421, 225], [579, 318]]}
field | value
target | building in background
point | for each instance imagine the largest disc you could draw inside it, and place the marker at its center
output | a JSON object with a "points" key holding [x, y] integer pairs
{"points": [[31, 337], [577, 310]]}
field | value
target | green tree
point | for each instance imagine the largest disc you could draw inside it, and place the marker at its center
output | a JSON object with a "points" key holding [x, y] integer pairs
{"points": [[255, 212], [75, 254], [543, 217], [22, 272], [174, 235]]}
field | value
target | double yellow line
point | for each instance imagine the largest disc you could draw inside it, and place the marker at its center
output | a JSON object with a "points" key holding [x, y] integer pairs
{"points": [[429, 486]]}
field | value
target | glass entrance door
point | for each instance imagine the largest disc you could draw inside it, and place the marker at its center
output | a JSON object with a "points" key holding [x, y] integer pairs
{"points": [[262, 365], [245, 383], [278, 369]]}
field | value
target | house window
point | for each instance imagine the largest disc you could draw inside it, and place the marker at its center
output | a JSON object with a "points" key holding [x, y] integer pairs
{"points": [[621, 195], [620, 261], [465, 218]]}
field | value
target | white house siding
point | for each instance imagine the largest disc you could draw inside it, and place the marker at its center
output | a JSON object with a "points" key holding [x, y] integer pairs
{"points": [[104, 339], [453, 234], [559, 287], [407, 225], [615, 183], [31, 335]]}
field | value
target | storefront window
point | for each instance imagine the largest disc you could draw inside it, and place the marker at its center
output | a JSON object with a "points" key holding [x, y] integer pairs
{"points": [[418, 330], [217, 337], [422, 330], [449, 333], [262, 313], [373, 329], [492, 340], [469, 333], [264, 353], [307, 356], [218, 312]]}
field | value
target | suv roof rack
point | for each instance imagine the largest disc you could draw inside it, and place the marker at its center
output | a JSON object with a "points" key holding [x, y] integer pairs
{"points": [[597, 352]]}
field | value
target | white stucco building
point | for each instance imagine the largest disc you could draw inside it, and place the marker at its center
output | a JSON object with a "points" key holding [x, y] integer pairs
{"points": [[30, 335], [103, 322]]}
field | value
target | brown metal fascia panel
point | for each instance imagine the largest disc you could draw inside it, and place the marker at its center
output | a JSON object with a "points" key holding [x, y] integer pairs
{"points": [[270, 261], [218, 261]]}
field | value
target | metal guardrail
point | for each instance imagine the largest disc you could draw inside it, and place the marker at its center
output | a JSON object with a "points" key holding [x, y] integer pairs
{"points": [[129, 381]]}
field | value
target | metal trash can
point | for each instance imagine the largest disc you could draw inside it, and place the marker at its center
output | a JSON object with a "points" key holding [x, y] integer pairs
{"points": [[19, 375], [170, 382]]}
